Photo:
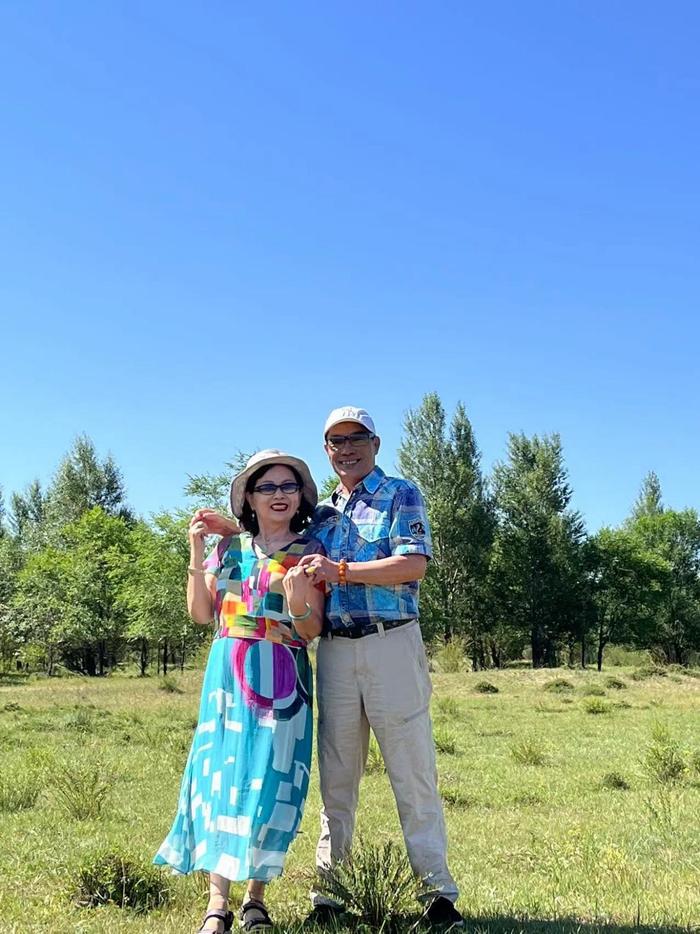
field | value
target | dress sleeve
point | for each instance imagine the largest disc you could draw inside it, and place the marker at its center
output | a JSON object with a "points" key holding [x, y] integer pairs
{"points": [[215, 559], [410, 531]]}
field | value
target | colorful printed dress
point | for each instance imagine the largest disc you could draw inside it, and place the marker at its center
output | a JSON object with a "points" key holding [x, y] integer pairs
{"points": [[244, 788]]}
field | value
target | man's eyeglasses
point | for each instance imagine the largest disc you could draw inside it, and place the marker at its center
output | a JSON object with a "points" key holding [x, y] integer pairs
{"points": [[357, 440], [268, 489]]}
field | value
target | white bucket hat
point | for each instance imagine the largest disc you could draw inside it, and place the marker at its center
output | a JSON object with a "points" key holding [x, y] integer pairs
{"points": [[266, 459]]}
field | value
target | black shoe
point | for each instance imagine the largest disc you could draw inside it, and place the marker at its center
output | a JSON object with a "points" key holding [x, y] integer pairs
{"points": [[323, 915], [254, 916], [442, 913]]}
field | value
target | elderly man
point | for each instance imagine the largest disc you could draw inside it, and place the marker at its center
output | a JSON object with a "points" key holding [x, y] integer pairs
{"points": [[371, 668]]}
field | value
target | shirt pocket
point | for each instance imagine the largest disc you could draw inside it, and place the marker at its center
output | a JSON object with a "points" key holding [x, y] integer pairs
{"points": [[373, 539]]}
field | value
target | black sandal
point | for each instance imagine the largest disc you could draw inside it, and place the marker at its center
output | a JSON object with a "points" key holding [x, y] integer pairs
{"points": [[254, 916], [225, 916]]}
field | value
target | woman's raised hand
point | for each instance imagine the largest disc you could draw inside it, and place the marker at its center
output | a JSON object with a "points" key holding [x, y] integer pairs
{"points": [[215, 523]]}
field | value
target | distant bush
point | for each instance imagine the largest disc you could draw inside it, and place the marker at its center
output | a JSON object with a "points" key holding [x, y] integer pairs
{"points": [[615, 684], [375, 881], [596, 705], [619, 656], [81, 790], [485, 687], [615, 782], [169, 685], [110, 877], [449, 656], [648, 671], [558, 686], [664, 762], [528, 751], [593, 690]]}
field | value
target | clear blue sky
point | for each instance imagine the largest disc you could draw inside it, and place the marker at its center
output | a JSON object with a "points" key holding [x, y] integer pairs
{"points": [[219, 220]]}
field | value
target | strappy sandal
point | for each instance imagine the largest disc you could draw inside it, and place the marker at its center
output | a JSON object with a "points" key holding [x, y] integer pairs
{"points": [[254, 916], [225, 916]]}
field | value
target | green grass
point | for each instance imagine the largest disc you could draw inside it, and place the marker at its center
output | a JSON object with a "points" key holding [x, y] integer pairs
{"points": [[601, 836]]}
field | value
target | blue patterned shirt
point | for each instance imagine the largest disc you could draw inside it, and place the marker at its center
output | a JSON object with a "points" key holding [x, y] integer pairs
{"points": [[383, 516]]}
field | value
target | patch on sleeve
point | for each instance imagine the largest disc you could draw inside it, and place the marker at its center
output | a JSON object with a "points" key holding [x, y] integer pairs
{"points": [[417, 528]]}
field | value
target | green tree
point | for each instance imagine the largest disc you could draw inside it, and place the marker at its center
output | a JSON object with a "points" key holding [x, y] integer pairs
{"points": [[627, 585], [152, 591], [445, 463], [28, 511], [538, 566], [40, 602], [212, 490], [673, 537], [649, 501]]}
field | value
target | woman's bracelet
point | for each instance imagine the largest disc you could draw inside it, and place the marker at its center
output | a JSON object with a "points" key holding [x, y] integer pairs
{"points": [[196, 571], [298, 619], [342, 571]]}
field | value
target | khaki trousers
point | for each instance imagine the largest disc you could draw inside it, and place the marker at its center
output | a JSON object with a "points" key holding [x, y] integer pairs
{"points": [[380, 681]]}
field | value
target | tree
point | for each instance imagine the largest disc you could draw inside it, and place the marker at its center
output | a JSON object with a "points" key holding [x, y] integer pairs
{"points": [[212, 490], [673, 537], [445, 464], [40, 602], [649, 502], [627, 584], [152, 590], [327, 487], [82, 483], [28, 513], [538, 560]]}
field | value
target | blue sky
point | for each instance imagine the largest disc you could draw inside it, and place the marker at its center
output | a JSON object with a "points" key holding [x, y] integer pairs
{"points": [[220, 220]]}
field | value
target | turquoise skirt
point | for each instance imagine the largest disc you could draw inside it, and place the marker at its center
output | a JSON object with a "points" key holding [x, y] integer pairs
{"points": [[243, 792]]}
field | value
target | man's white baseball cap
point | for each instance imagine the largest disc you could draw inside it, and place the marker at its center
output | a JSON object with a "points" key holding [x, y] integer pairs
{"points": [[349, 413]]}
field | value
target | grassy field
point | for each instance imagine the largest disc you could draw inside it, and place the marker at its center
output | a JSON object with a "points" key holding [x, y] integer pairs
{"points": [[571, 806]]}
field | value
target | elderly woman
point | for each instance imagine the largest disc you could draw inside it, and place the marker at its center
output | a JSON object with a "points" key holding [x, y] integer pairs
{"points": [[243, 791]]}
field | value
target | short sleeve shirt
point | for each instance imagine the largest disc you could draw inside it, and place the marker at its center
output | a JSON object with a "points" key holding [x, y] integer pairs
{"points": [[383, 516], [250, 600]]}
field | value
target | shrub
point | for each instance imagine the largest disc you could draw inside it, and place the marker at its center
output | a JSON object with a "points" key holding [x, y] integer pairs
{"points": [[375, 881], [615, 684], [648, 671], [449, 657], [528, 751], [375, 761], [615, 782], [113, 878], [593, 690], [485, 687], [559, 686], [596, 705], [664, 762], [169, 685], [81, 790], [445, 740]]}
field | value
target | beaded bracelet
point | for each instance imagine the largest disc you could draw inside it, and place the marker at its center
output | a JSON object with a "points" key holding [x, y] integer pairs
{"points": [[342, 571]]}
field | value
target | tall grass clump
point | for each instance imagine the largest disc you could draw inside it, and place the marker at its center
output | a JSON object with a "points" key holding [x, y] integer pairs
{"points": [[596, 705], [558, 686], [375, 761], [528, 751], [615, 684], [170, 685], [446, 707], [374, 881], [664, 762], [18, 791], [614, 781], [81, 789], [485, 687], [648, 671], [593, 690], [445, 740], [113, 878], [449, 656]]}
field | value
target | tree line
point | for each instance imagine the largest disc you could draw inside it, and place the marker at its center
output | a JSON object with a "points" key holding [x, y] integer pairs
{"points": [[87, 585]]}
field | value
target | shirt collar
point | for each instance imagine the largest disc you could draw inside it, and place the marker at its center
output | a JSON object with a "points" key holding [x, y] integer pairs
{"points": [[371, 483]]}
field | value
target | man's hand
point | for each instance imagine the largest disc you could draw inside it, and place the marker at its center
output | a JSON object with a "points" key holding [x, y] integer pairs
{"points": [[323, 568], [215, 523]]}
